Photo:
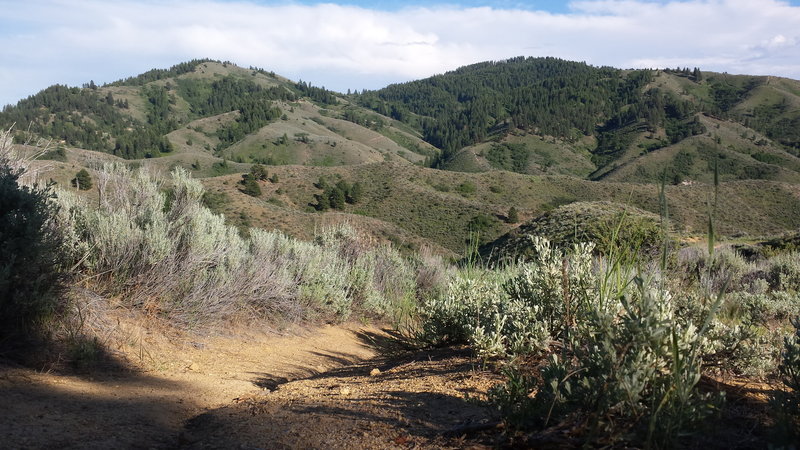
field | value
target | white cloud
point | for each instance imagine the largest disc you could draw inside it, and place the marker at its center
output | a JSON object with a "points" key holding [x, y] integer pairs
{"points": [[57, 41]]}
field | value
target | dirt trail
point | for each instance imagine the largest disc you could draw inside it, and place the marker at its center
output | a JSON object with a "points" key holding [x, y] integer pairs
{"points": [[334, 387]]}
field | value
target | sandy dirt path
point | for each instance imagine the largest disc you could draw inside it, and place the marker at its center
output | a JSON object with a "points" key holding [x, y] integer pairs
{"points": [[333, 387]]}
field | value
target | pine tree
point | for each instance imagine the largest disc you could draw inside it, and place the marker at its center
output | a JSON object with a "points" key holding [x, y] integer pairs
{"points": [[323, 202], [82, 180], [258, 172], [356, 193], [337, 198], [513, 216]]}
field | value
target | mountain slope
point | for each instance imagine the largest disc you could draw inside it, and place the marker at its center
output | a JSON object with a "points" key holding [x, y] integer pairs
{"points": [[216, 120], [598, 118], [208, 108]]}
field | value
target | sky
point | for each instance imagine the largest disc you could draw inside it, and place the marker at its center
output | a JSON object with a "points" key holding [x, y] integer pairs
{"points": [[359, 44]]}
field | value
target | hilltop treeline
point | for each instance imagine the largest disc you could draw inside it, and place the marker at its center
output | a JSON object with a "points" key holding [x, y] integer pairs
{"points": [[92, 118], [160, 74], [85, 118], [546, 96], [552, 96], [568, 100], [253, 101]]}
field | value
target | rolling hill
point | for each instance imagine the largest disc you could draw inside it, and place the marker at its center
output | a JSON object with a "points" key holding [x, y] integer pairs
{"points": [[545, 115], [444, 158]]}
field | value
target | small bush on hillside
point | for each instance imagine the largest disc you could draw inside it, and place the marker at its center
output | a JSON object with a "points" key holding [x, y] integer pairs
{"points": [[725, 270], [784, 272], [512, 216], [250, 186], [59, 154], [259, 172], [466, 188]]}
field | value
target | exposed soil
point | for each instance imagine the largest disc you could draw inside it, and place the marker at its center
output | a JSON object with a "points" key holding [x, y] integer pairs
{"points": [[333, 387]]}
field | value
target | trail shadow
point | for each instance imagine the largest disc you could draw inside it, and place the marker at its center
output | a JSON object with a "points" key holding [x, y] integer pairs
{"points": [[75, 392], [744, 421], [101, 410], [398, 361], [348, 408], [79, 355], [318, 363], [388, 342], [269, 382]]}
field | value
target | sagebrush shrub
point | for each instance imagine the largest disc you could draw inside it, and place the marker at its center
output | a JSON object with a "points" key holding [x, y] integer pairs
{"points": [[624, 355], [173, 256], [621, 361], [785, 271], [725, 269]]}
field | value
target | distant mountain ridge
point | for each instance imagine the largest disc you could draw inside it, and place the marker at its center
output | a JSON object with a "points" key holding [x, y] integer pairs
{"points": [[609, 116], [527, 115], [532, 134], [227, 106]]}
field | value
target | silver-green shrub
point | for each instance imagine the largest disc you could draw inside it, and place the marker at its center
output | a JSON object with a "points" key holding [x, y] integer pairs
{"points": [[171, 255], [468, 303], [620, 358], [555, 286], [785, 272], [725, 269], [627, 365], [513, 311]]}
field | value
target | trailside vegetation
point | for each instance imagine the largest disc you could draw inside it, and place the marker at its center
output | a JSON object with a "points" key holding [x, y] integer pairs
{"points": [[173, 256], [32, 267]]}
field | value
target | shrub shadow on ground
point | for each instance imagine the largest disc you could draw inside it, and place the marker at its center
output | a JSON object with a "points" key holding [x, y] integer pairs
{"points": [[108, 409], [427, 399]]}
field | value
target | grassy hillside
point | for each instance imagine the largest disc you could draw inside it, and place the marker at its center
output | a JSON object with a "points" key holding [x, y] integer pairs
{"points": [[527, 115], [605, 224], [207, 108], [590, 121], [415, 206], [623, 130]]}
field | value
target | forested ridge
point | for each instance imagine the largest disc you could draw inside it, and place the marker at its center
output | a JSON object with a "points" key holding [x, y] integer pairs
{"points": [[554, 97], [549, 97], [91, 117]]}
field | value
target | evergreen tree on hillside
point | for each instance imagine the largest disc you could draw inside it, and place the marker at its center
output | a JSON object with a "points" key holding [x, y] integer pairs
{"points": [[82, 180], [356, 193], [259, 172], [513, 215], [323, 201], [337, 198]]}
